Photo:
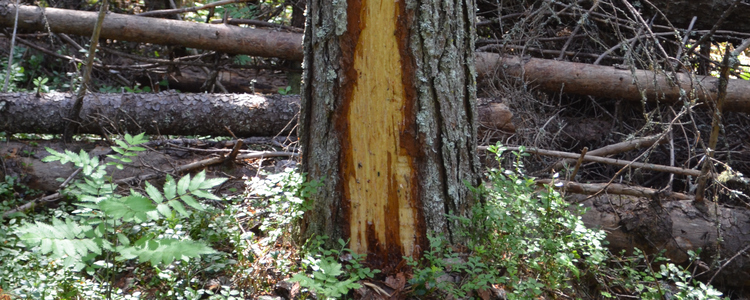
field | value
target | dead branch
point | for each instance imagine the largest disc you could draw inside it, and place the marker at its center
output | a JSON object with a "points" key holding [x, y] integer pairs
{"points": [[610, 161], [612, 189], [620, 147]]}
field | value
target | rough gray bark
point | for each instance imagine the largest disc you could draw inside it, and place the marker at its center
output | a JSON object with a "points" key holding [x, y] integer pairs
{"points": [[676, 226], [245, 115], [219, 37], [163, 113], [436, 62]]}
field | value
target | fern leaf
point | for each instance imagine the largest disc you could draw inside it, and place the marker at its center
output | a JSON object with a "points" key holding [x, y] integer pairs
{"points": [[130, 208], [83, 156], [165, 251], [54, 155], [61, 239]]}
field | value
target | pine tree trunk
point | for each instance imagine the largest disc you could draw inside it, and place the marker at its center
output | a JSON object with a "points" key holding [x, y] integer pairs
{"points": [[388, 122]]}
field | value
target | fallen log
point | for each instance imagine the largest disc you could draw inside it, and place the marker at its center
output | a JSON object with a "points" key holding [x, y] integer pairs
{"points": [[219, 37], [676, 226], [169, 113], [165, 113], [609, 82], [549, 75]]}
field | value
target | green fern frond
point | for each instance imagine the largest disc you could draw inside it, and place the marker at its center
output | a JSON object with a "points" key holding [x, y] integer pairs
{"points": [[60, 238], [164, 251], [133, 208]]}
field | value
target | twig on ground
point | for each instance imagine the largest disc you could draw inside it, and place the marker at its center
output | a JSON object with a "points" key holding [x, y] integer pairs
{"points": [[610, 161]]}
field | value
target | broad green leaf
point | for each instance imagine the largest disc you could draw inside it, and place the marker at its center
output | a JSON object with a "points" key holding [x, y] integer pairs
{"points": [[197, 180], [135, 140], [177, 205], [100, 230], [204, 194], [123, 239], [131, 207], [170, 188], [209, 183], [139, 203], [154, 193], [119, 150], [189, 200], [137, 149], [129, 138], [164, 210], [183, 184], [122, 144]]}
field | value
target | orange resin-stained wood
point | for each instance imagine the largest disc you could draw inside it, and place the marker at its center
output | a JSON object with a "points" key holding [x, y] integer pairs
{"points": [[379, 168]]}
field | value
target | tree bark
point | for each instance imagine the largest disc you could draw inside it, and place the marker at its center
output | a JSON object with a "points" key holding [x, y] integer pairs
{"points": [[218, 37], [388, 123], [163, 113]]}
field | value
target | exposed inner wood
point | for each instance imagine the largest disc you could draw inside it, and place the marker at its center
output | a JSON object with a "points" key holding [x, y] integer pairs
{"points": [[382, 176]]}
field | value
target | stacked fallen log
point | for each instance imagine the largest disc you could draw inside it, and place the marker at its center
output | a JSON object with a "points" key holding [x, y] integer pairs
{"points": [[169, 113], [549, 75]]}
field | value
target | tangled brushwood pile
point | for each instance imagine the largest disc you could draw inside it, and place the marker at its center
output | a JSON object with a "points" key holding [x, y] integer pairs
{"points": [[640, 36], [664, 147]]}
